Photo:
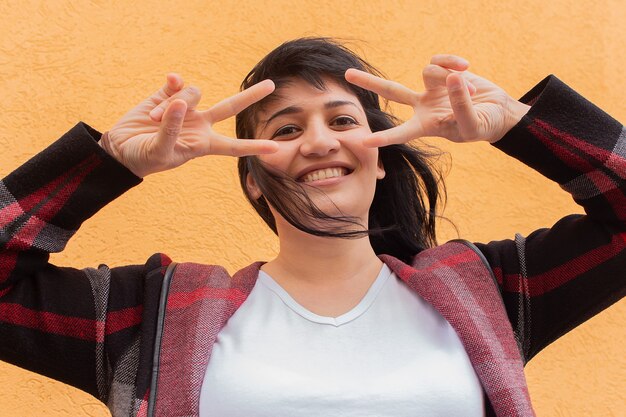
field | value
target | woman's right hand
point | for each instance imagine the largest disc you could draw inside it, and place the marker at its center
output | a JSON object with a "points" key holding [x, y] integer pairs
{"points": [[165, 130]]}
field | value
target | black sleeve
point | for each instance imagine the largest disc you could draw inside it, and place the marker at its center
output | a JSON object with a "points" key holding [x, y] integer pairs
{"points": [[556, 278], [76, 326]]}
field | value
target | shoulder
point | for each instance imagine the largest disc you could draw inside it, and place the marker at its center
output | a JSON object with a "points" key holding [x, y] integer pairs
{"points": [[460, 256]]}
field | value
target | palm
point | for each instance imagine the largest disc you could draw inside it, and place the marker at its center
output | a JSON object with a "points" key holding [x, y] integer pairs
{"points": [[136, 134], [147, 144], [434, 115]]}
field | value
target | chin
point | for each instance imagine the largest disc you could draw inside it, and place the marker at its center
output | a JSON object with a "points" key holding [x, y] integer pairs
{"points": [[335, 204]]}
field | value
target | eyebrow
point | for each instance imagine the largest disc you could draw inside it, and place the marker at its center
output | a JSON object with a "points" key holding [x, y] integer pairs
{"points": [[295, 109]]}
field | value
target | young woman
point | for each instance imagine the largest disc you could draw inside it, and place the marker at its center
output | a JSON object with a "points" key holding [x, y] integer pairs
{"points": [[360, 313]]}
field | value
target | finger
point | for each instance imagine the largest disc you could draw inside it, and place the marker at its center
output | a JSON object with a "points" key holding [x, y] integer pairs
{"points": [[471, 88], [396, 135], [449, 61], [386, 88], [435, 77], [174, 84], [223, 145], [170, 128], [191, 95], [473, 81], [234, 104], [462, 107]]}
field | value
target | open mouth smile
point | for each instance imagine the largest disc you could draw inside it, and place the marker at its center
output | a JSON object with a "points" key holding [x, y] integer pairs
{"points": [[324, 173]]}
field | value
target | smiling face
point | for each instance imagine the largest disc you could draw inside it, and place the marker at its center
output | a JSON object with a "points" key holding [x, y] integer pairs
{"points": [[317, 129], [319, 133]]}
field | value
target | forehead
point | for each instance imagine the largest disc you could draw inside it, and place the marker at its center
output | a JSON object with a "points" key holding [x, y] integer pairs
{"points": [[298, 92]]}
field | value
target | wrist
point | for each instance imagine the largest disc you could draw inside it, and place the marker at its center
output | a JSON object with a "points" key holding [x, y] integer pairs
{"points": [[515, 111], [105, 144]]}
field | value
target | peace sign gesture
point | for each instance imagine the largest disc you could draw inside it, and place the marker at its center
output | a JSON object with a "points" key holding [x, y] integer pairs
{"points": [[165, 130], [456, 104]]}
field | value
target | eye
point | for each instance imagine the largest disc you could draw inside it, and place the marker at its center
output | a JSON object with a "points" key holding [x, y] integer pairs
{"points": [[286, 131], [344, 121]]}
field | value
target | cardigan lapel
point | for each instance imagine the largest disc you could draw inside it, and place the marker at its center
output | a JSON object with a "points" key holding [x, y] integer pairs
{"points": [[200, 301], [454, 279]]}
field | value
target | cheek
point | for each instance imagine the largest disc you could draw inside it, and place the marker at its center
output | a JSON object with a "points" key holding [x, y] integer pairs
{"points": [[281, 159], [371, 161], [353, 139], [368, 156]]}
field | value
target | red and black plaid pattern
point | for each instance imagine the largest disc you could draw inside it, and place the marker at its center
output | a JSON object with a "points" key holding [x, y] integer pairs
{"points": [[62, 322], [201, 299], [556, 278]]}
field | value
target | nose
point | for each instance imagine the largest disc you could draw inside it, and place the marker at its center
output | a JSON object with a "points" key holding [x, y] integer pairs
{"points": [[319, 140]]}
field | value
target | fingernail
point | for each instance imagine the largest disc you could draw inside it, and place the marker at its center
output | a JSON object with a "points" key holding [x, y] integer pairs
{"points": [[156, 113]]}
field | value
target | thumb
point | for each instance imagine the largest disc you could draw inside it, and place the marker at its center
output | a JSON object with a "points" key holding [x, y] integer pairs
{"points": [[465, 115], [171, 126]]}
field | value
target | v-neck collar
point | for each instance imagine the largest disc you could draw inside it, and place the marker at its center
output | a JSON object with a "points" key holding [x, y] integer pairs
{"points": [[358, 310]]}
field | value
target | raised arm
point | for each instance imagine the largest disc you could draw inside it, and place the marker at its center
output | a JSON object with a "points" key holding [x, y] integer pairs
{"points": [[90, 328], [53, 320], [555, 278]]}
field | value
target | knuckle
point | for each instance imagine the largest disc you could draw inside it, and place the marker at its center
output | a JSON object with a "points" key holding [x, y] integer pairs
{"points": [[193, 91], [236, 150], [164, 103], [457, 101], [431, 70], [172, 131]]}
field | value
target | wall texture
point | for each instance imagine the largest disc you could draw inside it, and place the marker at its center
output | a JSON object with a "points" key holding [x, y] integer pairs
{"points": [[63, 61]]}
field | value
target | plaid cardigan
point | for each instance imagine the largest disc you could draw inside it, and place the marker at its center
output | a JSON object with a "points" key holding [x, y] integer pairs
{"points": [[139, 337]]}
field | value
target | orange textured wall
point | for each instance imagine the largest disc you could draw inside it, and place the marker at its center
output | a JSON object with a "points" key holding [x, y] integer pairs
{"points": [[63, 61]]}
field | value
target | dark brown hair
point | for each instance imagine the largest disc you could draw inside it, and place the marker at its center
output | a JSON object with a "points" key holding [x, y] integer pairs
{"points": [[403, 212]]}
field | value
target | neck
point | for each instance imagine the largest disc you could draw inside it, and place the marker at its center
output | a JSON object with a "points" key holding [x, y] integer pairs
{"points": [[321, 261]]}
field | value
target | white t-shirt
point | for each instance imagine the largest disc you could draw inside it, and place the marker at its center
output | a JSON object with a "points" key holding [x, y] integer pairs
{"points": [[391, 355]]}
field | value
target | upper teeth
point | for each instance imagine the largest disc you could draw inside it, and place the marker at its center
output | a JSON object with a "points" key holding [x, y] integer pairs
{"points": [[321, 174]]}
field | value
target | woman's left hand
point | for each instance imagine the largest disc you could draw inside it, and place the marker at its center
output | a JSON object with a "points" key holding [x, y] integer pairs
{"points": [[456, 104]]}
